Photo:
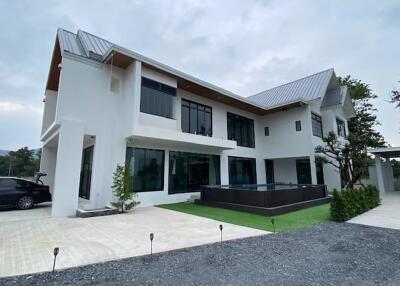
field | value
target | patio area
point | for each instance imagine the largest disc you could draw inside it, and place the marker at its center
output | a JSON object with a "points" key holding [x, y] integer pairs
{"points": [[27, 238]]}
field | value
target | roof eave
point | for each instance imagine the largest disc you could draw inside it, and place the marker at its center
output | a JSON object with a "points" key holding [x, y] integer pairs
{"points": [[118, 49]]}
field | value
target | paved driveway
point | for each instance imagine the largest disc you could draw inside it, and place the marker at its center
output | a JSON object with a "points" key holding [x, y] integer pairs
{"points": [[386, 215], [26, 246], [38, 212]]}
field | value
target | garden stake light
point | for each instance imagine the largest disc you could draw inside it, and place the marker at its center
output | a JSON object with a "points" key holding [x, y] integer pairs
{"points": [[55, 252], [220, 228], [273, 223], [151, 243]]}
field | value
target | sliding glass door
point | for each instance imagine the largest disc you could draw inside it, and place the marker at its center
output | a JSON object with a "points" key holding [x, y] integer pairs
{"points": [[242, 171], [145, 169], [303, 171], [188, 171]]}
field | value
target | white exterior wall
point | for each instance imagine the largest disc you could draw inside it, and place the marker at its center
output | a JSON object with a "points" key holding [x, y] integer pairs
{"points": [[387, 175], [48, 161], [331, 173], [285, 171], [50, 108], [283, 140], [85, 98]]}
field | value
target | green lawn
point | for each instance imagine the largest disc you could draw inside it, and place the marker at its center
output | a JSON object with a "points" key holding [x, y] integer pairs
{"points": [[294, 220]]}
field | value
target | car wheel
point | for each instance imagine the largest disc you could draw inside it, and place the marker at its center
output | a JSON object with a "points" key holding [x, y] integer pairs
{"points": [[25, 202]]}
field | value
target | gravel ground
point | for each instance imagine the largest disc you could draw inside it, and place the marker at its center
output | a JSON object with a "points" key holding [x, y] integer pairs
{"points": [[326, 254]]}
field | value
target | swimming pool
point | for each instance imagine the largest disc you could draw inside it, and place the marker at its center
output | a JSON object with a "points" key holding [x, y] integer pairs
{"points": [[264, 198]]}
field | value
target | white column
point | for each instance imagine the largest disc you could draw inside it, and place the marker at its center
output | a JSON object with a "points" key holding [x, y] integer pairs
{"points": [[137, 78], [48, 165], [379, 174], [68, 169], [389, 175], [166, 171], [224, 169], [313, 170]]}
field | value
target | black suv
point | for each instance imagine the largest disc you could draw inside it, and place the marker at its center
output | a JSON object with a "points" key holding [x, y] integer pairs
{"points": [[22, 194]]}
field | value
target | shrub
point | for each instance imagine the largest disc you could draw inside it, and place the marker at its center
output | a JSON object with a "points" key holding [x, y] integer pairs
{"points": [[123, 190], [351, 202], [338, 208]]}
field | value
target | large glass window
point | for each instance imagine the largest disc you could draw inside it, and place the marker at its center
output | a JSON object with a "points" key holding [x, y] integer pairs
{"points": [[196, 118], [316, 125], [241, 129], [341, 127], [303, 171], [157, 98], [242, 171], [146, 169], [189, 171]]}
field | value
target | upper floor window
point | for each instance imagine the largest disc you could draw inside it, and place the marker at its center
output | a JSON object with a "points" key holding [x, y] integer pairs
{"points": [[241, 129], [196, 118], [298, 125], [157, 98], [341, 127], [316, 125], [266, 131]]}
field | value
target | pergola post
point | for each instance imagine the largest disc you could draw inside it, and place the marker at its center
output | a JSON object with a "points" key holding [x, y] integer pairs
{"points": [[379, 174]]}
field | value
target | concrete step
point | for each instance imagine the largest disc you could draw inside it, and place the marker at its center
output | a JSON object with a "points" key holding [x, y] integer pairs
{"points": [[192, 198], [83, 213]]}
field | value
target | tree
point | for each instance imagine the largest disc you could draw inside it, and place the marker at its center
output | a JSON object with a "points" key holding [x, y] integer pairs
{"points": [[336, 152], [20, 163], [351, 157], [395, 97], [123, 189]]}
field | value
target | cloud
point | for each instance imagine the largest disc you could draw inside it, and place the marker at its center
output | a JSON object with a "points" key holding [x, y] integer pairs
{"points": [[242, 46], [12, 108]]}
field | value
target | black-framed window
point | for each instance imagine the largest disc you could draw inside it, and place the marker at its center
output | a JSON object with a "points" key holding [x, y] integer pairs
{"points": [[316, 121], [266, 131], [341, 127], [242, 170], [319, 169], [157, 98], [145, 169], [196, 118], [303, 170], [298, 125], [189, 171], [241, 129]]}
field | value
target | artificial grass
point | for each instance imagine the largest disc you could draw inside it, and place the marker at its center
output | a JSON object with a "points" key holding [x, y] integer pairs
{"points": [[293, 220]]}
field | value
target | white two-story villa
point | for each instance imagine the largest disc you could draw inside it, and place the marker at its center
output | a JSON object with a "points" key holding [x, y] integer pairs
{"points": [[107, 105]]}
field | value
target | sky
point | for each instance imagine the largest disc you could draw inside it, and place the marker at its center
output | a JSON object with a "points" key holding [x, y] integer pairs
{"points": [[242, 46]]}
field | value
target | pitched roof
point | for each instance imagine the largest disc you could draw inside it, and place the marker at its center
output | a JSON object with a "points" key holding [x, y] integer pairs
{"points": [[304, 89], [84, 44]]}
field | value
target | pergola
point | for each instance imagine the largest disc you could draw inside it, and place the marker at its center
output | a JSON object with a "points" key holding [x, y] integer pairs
{"points": [[384, 180]]}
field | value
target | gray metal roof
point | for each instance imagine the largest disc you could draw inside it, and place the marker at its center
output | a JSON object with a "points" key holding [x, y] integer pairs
{"points": [[83, 44], [70, 43], [334, 97], [93, 44], [90, 46], [304, 89]]}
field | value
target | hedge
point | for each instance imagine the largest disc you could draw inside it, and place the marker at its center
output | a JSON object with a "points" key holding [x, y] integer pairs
{"points": [[352, 202]]}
